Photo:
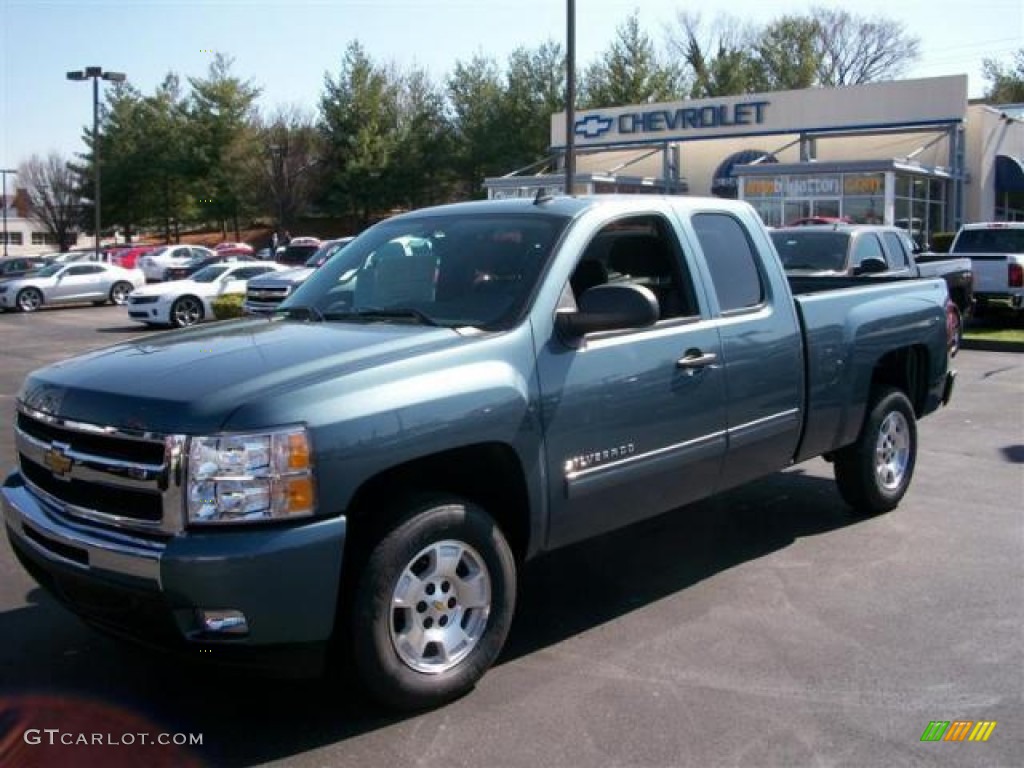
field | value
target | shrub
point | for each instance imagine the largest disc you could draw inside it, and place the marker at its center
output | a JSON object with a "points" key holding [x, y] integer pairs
{"points": [[229, 305]]}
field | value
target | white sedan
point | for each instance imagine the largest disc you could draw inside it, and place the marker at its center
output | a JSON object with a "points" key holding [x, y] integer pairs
{"points": [[186, 302], [155, 262], [71, 283]]}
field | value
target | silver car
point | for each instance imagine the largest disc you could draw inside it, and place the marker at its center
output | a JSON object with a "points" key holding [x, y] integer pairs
{"points": [[69, 284]]}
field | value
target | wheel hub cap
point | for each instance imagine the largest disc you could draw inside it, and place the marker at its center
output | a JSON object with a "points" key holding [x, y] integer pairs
{"points": [[892, 451], [439, 606]]}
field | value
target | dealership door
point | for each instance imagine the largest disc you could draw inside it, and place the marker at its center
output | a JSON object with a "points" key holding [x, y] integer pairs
{"points": [[797, 209]]}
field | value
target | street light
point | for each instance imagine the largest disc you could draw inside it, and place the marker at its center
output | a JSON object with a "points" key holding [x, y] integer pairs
{"points": [[570, 96], [3, 193], [95, 73]]}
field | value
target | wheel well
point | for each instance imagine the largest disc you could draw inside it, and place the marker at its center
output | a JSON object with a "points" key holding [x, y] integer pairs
{"points": [[202, 308], [488, 474], [905, 369]]}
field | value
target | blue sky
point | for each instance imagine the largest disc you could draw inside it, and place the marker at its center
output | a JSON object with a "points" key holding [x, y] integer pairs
{"points": [[286, 46]]}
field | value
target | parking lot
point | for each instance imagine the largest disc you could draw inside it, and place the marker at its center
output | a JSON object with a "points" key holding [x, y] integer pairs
{"points": [[764, 628]]}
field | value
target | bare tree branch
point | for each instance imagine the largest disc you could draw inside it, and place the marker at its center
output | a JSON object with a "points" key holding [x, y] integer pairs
{"points": [[51, 188]]}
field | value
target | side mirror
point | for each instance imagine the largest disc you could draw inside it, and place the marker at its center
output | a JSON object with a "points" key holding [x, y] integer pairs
{"points": [[871, 266], [609, 308]]}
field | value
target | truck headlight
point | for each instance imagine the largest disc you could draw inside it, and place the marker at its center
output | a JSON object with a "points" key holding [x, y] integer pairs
{"points": [[241, 478]]}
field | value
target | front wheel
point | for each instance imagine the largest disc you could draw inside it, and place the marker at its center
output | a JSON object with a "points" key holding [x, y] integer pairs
{"points": [[30, 299], [874, 473], [119, 293], [186, 311], [433, 604]]}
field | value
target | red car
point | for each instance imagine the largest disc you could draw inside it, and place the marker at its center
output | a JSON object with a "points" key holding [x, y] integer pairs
{"points": [[126, 257], [234, 249]]}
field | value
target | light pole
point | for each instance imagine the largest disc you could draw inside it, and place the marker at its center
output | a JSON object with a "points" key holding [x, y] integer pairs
{"points": [[3, 193], [570, 96], [95, 73]]}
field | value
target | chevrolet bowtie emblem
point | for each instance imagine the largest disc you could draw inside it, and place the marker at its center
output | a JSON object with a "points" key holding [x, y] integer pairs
{"points": [[438, 605], [57, 459]]}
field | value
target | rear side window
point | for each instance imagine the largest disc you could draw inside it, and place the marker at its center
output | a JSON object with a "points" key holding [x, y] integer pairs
{"points": [[897, 250], [867, 247], [732, 261]]}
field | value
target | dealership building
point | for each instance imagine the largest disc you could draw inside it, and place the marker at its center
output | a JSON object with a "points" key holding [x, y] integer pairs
{"points": [[914, 153]]}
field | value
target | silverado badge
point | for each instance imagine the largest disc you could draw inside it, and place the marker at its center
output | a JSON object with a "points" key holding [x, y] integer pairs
{"points": [[57, 459]]}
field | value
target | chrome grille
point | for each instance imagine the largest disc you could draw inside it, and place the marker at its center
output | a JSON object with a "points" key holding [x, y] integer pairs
{"points": [[123, 479]]}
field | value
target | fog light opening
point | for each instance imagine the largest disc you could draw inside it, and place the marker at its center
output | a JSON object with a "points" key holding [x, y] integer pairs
{"points": [[222, 622]]}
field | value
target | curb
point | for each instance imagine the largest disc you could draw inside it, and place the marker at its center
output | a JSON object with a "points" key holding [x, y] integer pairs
{"points": [[988, 345]]}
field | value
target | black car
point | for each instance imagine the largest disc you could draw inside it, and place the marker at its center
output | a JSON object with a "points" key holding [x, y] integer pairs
{"points": [[16, 266], [192, 266]]}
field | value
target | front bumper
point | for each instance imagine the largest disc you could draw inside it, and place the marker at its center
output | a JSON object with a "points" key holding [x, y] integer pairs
{"points": [[285, 580]]}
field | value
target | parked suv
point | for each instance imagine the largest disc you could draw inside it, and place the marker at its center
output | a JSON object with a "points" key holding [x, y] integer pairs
{"points": [[264, 294]]}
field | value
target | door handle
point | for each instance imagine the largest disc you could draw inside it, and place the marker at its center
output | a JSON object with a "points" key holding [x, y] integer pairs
{"points": [[694, 358]]}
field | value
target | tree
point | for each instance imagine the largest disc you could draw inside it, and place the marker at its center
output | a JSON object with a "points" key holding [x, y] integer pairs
{"points": [[476, 93], [221, 114], [535, 89], [1007, 85], [424, 152], [852, 50], [359, 123], [284, 168], [52, 189], [630, 71], [723, 64], [785, 55]]}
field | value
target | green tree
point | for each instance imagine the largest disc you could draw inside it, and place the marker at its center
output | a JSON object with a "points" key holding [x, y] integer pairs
{"points": [[221, 116], [723, 63], [631, 71], [535, 89], [360, 126], [1006, 84], [424, 154], [785, 55], [476, 95]]}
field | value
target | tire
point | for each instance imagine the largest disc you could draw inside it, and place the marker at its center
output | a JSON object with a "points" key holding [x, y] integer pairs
{"points": [[874, 473], [186, 311], [433, 604], [119, 293], [29, 299]]}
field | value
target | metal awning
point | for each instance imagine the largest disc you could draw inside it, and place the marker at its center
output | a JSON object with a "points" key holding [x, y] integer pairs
{"points": [[1009, 174]]}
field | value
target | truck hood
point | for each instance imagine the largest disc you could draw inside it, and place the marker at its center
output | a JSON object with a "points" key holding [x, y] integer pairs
{"points": [[191, 381], [284, 277]]}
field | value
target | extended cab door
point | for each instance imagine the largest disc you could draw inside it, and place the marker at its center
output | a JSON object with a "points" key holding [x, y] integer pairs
{"points": [[634, 419], [762, 346]]}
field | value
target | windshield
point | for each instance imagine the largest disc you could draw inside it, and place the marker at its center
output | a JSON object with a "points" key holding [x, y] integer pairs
{"points": [[452, 270], [208, 274], [990, 241], [818, 251], [296, 255]]}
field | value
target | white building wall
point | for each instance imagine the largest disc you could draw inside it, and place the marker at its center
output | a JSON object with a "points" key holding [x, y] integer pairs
{"points": [[988, 134]]}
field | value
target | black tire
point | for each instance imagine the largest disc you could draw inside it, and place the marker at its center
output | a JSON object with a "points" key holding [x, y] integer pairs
{"points": [[434, 604], [874, 473], [186, 311], [955, 329], [119, 293], [29, 299]]}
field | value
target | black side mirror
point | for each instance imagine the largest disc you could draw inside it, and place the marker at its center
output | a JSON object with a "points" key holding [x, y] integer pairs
{"points": [[871, 266], [609, 308]]}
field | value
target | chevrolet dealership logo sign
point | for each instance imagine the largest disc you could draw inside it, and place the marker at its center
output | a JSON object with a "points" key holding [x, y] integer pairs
{"points": [[592, 126]]}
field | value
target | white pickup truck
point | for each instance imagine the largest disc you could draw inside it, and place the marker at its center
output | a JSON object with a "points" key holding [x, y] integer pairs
{"points": [[996, 251]]}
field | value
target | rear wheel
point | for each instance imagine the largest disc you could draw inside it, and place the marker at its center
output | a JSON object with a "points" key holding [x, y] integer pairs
{"points": [[119, 293], [186, 311], [29, 299], [433, 604], [874, 473]]}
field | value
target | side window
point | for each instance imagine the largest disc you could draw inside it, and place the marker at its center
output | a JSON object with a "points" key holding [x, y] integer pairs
{"points": [[867, 246], [640, 250], [897, 251], [731, 260]]}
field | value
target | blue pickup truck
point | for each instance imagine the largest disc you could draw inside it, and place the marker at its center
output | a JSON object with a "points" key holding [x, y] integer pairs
{"points": [[361, 474]]}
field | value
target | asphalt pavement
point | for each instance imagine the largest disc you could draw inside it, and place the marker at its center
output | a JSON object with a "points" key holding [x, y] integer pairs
{"points": [[766, 627]]}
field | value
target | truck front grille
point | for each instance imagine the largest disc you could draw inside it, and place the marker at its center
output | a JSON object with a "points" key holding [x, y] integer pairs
{"points": [[121, 479]]}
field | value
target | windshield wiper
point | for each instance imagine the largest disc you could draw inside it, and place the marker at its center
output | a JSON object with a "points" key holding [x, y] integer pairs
{"points": [[302, 310], [410, 313]]}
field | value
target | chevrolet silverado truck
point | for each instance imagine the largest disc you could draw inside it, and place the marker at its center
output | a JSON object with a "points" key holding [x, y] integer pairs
{"points": [[361, 475], [996, 251]]}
